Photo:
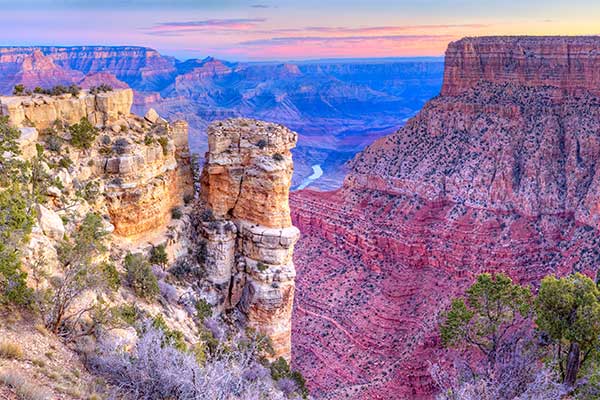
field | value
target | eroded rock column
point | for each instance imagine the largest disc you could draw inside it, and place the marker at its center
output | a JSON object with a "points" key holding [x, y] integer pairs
{"points": [[246, 181]]}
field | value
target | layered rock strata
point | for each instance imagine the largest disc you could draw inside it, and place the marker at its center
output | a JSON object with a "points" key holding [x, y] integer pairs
{"points": [[499, 173], [248, 235], [42, 111], [140, 165]]}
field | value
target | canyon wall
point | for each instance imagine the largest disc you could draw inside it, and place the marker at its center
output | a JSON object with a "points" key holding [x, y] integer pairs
{"points": [[139, 67], [499, 173], [247, 231], [140, 165], [558, 62]]}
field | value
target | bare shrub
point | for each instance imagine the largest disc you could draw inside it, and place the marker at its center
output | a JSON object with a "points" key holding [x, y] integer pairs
{"points": [[153, 369], [168, 291], [516, 374]]}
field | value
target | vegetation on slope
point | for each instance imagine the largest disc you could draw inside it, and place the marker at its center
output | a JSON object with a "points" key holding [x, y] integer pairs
{"points": [[516, 344]]}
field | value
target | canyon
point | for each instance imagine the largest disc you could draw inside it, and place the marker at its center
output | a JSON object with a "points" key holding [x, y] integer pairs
{"points": [[337, 107], [497, 174]]}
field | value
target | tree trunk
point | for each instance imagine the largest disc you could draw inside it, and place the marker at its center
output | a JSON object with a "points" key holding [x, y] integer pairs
{"points": [[572, 365]]}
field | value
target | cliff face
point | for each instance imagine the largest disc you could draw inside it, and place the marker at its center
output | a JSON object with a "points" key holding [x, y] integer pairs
{"points": [[557, 62], [141, 166], [248, 235], [42, 111], [499, 173], [140, 67]]}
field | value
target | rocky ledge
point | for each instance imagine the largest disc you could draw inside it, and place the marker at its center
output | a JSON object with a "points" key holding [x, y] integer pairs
{"points": [[140, 165]]}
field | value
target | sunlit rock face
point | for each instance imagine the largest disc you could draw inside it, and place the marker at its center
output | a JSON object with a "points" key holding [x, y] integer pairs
{"points": [[249, 238], [42, 111], [141, 167], [499, 173]]}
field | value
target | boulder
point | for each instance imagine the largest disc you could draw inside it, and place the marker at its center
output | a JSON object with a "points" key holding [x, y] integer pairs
{"points": [[152, 116], [51, 224]]}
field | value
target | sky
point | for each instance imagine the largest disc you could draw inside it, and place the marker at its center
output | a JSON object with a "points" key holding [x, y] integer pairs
{"points": [[254, 30]]}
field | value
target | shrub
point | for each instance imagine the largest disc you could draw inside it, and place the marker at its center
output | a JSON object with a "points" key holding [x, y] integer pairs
{"points": [[126, 313], [168, 291], [19, 90], [262, 267], [179, 376], [90, 191], [83, 134], [158, 255], [80, 273], [278, 157], [183, 268], [65, 162], [111, 275], [262, 143], [176, 213], [203, 310], [105, 140], [207, 215], [16, 217], [171, 337], [103, 88], [53, 143], [163, 141], [140, 276], [11, 350], [149, 140], [280, 370]]}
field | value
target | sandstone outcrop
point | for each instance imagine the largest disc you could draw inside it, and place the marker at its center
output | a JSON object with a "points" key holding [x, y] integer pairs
{"points": [[497, 174], [50, 223], [42, 111], [142, 168], [249, 239]]}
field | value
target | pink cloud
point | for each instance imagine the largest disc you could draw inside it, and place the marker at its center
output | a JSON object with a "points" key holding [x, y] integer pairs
{"points": [[343, 46], [176, 28]]}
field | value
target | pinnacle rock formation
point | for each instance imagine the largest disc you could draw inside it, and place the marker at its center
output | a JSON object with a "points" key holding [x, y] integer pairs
{"points": [[248, 235], [498, 174]]}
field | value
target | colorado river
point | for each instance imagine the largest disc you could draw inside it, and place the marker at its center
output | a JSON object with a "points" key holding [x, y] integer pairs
{"points": [[317, 173]]}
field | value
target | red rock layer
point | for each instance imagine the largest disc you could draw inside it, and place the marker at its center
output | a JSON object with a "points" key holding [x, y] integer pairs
{"points": [[499, 177], [564, 62]]}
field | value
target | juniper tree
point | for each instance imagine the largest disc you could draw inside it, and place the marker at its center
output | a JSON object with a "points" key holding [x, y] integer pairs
{"points": [[568, 310], [484, 318]]}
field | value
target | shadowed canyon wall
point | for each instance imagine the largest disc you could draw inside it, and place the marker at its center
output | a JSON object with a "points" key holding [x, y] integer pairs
{"points": [[499, 173]]}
